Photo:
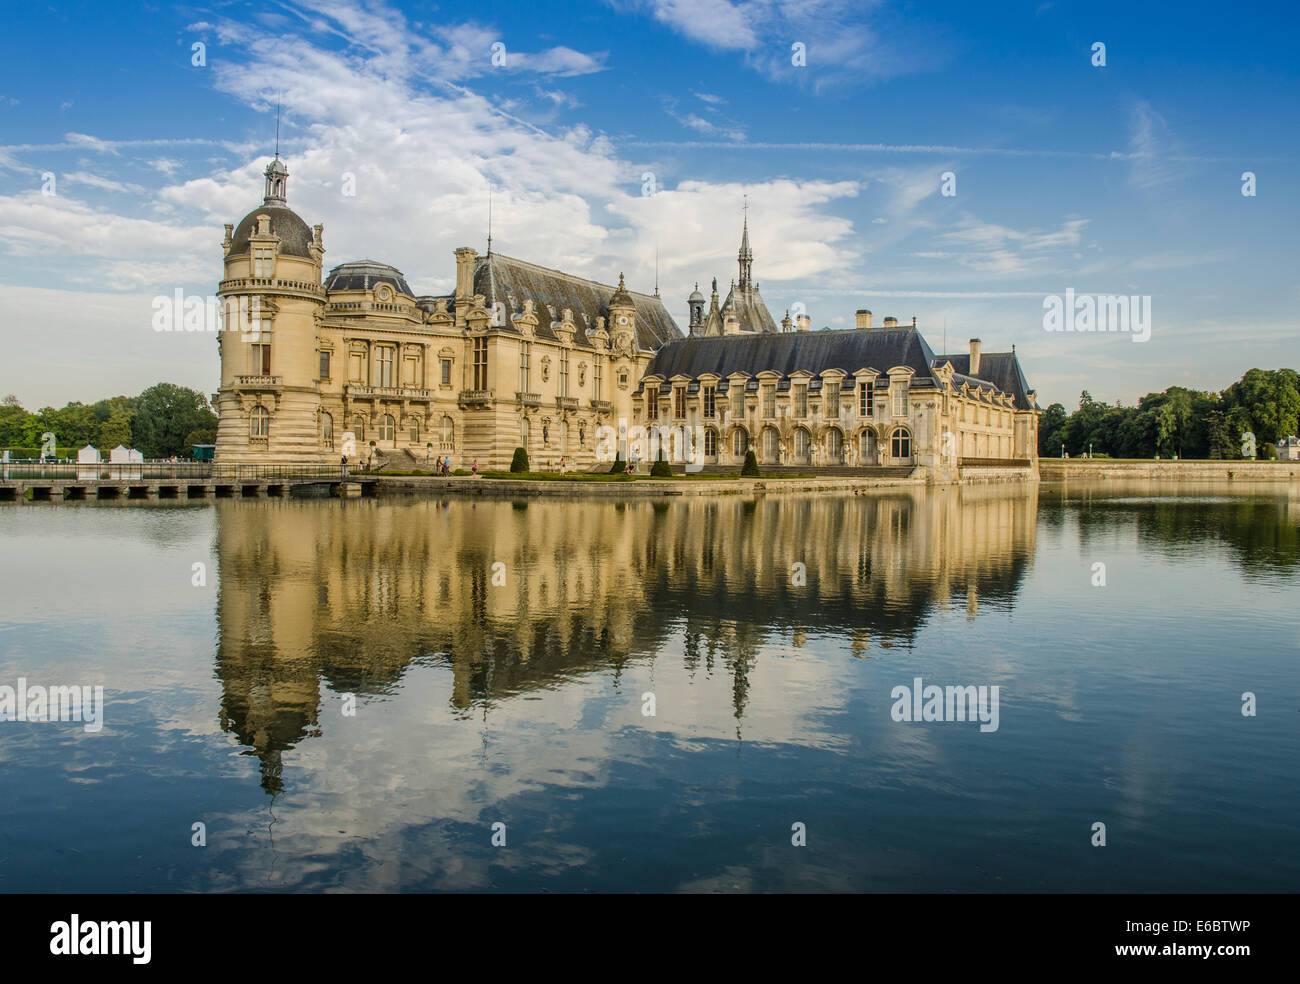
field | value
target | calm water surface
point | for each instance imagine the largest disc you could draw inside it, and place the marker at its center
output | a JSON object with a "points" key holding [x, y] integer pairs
{"points": [[522, 703]]}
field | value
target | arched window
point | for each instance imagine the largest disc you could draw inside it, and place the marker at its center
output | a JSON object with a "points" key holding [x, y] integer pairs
{"points": [[710, 443], [867, 447], [770, 445], [415, 430], [447, 435], [900, 443], [326, 431], [834, 446], [359, 428], [523, 433], [739, 442], [259, 422], [387, 428], [802, 443]]}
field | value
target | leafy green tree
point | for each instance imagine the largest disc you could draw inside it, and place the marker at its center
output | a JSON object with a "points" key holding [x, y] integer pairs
{"points": [[116, 430], [1049, 430], [165, 414]]}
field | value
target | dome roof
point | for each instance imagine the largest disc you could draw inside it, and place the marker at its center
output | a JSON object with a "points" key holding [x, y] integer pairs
{"points": [[695, 296], [295, 235], [366, 275]]}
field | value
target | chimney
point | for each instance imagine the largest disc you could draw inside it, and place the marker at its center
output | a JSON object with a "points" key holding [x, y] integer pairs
{"points": [[863, 319], [803, 322], [891, 322], [974, 356], [465, 257], [913, 321]]}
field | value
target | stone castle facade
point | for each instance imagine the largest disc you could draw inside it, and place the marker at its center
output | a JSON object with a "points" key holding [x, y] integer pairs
{"points": [[354, 362]]}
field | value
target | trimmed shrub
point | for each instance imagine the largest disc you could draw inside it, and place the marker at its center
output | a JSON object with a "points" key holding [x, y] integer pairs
{"points": [[520, 462], [750, 468], [618, 466], [661, 468]]}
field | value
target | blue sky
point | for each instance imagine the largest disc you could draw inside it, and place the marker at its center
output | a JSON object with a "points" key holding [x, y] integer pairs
{"points": [[1117, 179]]}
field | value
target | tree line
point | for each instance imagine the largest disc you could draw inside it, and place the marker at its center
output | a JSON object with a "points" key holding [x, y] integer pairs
{"points": [[163, 421], [1183, 422]]}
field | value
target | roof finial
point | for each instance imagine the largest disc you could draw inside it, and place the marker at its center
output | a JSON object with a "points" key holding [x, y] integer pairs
{"points": [[656, 271], [277, 125], [489, 218]]}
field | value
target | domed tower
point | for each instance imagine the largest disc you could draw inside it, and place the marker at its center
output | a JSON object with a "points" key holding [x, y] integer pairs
{"points": [[696, 304], [272, 299], [622, 321]]}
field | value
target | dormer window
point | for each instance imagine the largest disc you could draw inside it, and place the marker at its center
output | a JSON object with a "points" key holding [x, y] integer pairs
{"points": [[263, 261]]}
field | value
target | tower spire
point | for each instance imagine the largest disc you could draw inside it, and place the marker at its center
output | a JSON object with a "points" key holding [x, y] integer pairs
{"points": [[277, 175], [489, 218], [746, 255]]}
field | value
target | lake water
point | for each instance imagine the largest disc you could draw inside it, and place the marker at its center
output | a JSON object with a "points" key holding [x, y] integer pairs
{"points": [[358, 693]]}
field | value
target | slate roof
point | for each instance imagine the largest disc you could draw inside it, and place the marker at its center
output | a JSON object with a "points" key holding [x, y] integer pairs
{"points": [[786, 352], [366, 275], [753, 313], [295, 235], [512, 281], [1001, 369]]}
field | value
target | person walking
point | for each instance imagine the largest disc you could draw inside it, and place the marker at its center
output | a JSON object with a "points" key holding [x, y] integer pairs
{"points": [[343, 466], [474, 467]]}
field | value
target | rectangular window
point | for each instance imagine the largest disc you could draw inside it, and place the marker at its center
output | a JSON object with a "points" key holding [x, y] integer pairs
{"points": [[801, 400], [832, 400], [679, 402], [710, 402], [384, 365], [597, 378], [652, 402], [866, 399], [564, 372], [262, 261], [480, 364], [324, 365], [446, 372], [525, 365], [769, 400], [898, 389], [262, 359], [737, 399]]}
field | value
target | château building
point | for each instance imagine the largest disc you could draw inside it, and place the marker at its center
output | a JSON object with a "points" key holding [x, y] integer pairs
{"points": [[520, 355]]}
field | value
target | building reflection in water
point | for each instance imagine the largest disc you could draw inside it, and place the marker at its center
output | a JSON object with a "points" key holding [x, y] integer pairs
{"points": [[351, 594]]}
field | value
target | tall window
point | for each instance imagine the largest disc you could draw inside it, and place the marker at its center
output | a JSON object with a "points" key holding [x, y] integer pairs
{"points": [[834, 446], [710, 443], [525, 365], [801, 444], [739, 442], [769, 400], [652, 402], [262, 359], [710, 402], [259, 423], [446, 372], [262, 261], [415, 430], [898, 392], [597, 377], [679, 402], [801, 400], [769, 444], [326, 431], [737, 399], [384, 365], [865, 402], [359, 428], [564, 372], [447, 435], [387, 428], [900, 443], [832, 400], [480, 364]]}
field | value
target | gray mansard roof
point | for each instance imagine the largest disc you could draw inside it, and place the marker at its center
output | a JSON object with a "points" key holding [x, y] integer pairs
{"points": [[1002, 369], [511, 281], [786, 352], [847, 350]]}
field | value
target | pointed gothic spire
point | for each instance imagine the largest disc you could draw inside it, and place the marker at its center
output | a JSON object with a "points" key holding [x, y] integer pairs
{"points": [[746, 255]]}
